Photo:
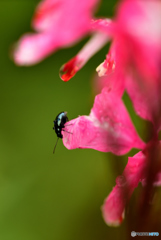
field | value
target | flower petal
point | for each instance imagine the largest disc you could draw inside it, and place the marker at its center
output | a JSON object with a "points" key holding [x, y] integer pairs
{"points": [[64, 15], [114, 82], [60, 24], [138, 28], [114, 205], [47, 12], [108, 128], [113, 208], [146, 98], [32, 48], [138, 24]]}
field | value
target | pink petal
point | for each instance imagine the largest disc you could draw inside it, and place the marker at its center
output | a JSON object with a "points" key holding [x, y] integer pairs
{"points": [[114, 205], [146, 99], [60, 24], [69, 69], [141, 20], [114, 82], [32, 48], [113, 208], [58, 14], [47, 12], [138, 24], [108, 128], [138, 28]]}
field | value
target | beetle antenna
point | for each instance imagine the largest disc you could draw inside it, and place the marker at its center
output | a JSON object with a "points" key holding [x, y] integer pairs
{"points": [[55, 145]]}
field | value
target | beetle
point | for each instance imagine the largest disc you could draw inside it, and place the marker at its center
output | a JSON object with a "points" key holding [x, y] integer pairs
{"points": [[59, 123]]}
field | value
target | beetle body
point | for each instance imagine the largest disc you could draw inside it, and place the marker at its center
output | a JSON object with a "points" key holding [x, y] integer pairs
{"points": [[59, 122]]}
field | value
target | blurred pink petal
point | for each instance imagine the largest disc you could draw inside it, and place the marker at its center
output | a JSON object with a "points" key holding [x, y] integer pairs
{"points": [[114, 205], [136, 170], [60, 24], [32, 48], [138, 24], [62, 15], [108, 128], [146, 98], [113, 81], [135, 55], [138, 28], [47, 12]]}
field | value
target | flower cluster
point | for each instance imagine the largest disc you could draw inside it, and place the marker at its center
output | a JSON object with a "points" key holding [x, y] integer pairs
{"points": [[133, 64]]}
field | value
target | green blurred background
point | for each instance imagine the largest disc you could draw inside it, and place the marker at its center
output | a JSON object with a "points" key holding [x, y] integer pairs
{"points": [[45, 196]]}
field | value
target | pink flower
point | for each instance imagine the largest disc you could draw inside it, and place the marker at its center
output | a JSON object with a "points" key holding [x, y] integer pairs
{"points": [[108, 128], [136, 53], [135, 171], [59, 24]]}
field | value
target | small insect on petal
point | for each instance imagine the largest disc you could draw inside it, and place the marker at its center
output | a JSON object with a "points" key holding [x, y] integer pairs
{"points": [[59, 122]]}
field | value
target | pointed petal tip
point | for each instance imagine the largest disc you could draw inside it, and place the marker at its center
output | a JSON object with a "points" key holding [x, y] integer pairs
{"points": [[22, 51], [69, 69], [110, 220]]}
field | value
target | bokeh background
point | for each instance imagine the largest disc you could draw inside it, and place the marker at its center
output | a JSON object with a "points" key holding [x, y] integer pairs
{"points": [[45, 196]]}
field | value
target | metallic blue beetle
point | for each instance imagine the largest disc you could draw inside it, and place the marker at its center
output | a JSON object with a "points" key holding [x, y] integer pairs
{"points": [[59, 122]]}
